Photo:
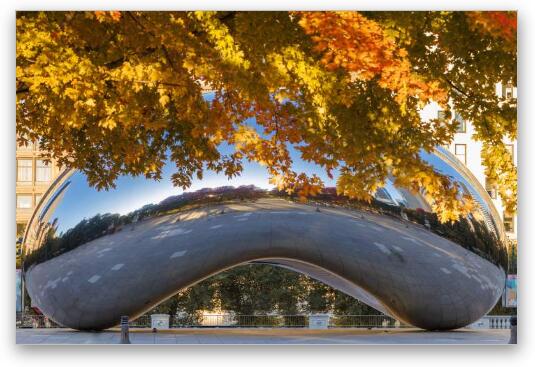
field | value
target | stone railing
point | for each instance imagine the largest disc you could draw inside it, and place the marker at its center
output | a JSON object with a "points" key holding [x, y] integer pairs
{"points": [[492, 322], [499, 322]]}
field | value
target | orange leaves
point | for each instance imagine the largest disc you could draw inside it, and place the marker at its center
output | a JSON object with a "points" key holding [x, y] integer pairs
{"points": [[501, 24], [301, 184], [106, 16], [350, 41], [119, 91]]}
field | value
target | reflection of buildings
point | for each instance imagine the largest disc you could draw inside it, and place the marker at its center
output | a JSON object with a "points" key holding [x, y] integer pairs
{"points": [[34, 177]]}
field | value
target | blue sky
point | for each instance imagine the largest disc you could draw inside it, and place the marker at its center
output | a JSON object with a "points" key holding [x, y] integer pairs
{"points": [[132, 193], [81, 201]]}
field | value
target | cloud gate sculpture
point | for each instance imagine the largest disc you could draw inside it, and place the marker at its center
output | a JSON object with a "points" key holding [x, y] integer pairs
{"points": [[91, 257]]}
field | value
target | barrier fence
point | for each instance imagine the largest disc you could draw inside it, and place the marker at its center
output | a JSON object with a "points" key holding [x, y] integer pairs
{"points": [[275, 321], [249, 321]]}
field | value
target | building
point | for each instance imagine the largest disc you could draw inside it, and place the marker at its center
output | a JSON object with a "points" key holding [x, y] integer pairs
{"points": [[468, 151], [33, 176]]}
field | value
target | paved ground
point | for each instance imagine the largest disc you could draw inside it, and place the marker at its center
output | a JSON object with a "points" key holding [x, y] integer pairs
{"points": [[265, 336]]}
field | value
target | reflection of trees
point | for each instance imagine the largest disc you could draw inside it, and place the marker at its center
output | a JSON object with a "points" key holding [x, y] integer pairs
{"points": [[100, 225], [261, 289], [471, 233], [85, 231]]}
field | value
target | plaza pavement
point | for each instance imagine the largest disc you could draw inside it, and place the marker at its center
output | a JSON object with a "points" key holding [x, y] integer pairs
{"points": [[261, 336]]}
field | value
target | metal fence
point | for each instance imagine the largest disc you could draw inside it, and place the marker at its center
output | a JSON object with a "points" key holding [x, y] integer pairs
{"points": [[236, 321], [250, 321], [35, 321], [226, 320]]}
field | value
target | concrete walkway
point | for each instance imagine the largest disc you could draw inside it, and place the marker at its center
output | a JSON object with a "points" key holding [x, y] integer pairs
{"points": [[265, 336]]}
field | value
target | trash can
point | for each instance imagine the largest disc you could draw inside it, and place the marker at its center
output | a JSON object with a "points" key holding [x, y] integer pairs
{"points": [[159, 321], [319, 321]]}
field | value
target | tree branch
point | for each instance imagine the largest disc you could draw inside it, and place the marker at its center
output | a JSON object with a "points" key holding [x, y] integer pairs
{"points": [[457, 88]]}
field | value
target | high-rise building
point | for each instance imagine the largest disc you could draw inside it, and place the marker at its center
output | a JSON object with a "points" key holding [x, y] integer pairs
{"points": [[34, 175]]}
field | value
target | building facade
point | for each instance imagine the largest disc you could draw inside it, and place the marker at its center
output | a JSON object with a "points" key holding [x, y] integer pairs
{"points": [[468, 151], [34, 175]]}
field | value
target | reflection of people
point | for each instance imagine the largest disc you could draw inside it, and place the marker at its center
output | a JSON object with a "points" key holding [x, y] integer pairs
{"points": [[19, 291], [511, 297], [511, 291]]}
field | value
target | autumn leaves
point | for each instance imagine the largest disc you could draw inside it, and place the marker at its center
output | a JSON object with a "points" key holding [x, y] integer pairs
{"points": [[114, 93]]}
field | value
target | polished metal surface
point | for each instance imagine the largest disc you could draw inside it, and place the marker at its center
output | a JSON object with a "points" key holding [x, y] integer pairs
{"points": [[91, 257]]}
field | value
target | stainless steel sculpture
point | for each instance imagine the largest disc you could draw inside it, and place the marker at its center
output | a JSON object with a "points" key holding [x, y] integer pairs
{"points": [[86, 274]]}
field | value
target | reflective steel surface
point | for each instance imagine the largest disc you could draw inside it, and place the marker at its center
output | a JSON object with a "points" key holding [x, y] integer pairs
{"points": [[91, 257]]}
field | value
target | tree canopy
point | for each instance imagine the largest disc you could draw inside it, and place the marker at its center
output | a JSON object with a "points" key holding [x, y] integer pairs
{"points": [[112, 93]]}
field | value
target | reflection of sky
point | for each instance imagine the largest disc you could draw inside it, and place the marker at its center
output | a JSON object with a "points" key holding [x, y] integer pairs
{"points": [[393, 192], [80, 201], [440, 166], [131, 193], [466, 187]]}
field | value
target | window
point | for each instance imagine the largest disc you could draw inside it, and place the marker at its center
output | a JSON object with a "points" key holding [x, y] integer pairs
{"points": [[460, 152], [461, 124], [24, 201], [27, 147], [43, 171], [507, 91], [24, 170], [511, 149], [490, 186], [508, 222]]}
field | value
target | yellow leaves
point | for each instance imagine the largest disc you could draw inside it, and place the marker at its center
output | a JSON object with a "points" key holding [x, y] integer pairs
{"points": [[108, 123], [164, 100], [246, 136], [296, 67], [278, 180], [350, 103], [71, 93], [303, 185], [500, 169], [223, 41], [90, 102], [153, 167]]}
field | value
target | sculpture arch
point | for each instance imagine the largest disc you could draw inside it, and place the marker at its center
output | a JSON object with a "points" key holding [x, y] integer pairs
{"points": [[399, 267]]}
